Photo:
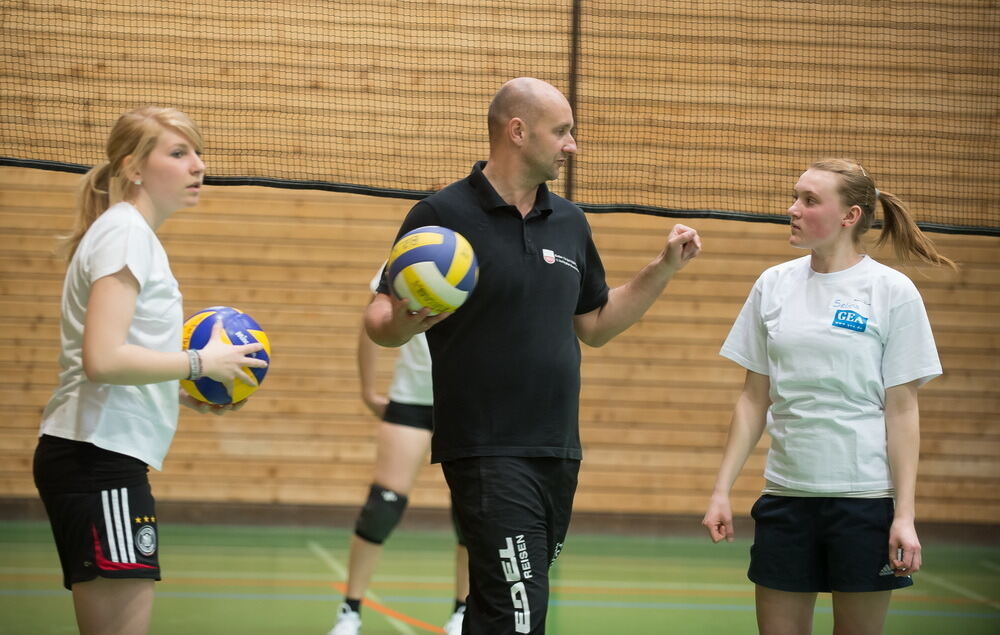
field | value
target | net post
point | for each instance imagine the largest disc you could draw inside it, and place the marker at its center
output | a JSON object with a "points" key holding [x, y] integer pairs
{"points": [[574, 49]]}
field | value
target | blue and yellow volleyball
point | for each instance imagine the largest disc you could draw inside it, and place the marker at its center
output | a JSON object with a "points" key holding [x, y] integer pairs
{"points": [[237, 328], [433, 267]]}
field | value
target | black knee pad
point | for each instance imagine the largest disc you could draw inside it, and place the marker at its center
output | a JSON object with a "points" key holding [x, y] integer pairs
{"points": [[380, 515]]}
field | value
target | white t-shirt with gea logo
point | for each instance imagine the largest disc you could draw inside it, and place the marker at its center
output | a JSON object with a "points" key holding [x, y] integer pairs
{"points": [[831, 344]]}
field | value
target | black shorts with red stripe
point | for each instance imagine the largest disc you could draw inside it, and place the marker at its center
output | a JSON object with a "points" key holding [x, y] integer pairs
{"points": [[101, 510]]}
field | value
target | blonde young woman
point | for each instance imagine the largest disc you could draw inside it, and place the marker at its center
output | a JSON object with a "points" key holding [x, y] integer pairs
{"points": [[115, 410], [835, 346]]}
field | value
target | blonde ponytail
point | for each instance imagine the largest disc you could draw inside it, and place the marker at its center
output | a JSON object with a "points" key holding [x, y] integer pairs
{"points": [[898, 227], [92, 199]]}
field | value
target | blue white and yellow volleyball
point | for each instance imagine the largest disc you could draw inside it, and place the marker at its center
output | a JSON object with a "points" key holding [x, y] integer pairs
{"points": [[433, 267], [237, 328]]}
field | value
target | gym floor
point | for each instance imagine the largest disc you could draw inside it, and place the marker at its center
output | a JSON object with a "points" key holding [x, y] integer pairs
{"points": [[247, 579]]}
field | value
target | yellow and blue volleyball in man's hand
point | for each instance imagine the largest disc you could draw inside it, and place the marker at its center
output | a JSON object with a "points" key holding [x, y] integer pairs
{"points": [[237, 328], [433, 267]]}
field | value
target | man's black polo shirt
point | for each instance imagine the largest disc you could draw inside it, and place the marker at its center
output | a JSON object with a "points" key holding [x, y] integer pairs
{"points": [[506, 365]]}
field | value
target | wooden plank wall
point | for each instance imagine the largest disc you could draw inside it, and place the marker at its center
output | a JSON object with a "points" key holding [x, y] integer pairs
{"points": [[655, 405]]}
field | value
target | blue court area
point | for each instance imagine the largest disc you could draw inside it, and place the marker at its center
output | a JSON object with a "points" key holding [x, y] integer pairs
{"points": [[242, 580]]}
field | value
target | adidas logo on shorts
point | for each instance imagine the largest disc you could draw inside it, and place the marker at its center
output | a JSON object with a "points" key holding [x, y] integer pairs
{"points": [[886, 570]]}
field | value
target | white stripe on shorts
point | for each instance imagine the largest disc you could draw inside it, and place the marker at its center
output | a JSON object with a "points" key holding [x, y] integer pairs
{"points": [[108, 526], [116, 514], [116, 525], [127, 518]]}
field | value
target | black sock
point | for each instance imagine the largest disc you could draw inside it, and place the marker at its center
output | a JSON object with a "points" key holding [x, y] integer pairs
{"points": [[459, 604], [354, 604]]}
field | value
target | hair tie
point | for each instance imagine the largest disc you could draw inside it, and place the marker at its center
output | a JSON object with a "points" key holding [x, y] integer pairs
{"points": [[877, 194]]}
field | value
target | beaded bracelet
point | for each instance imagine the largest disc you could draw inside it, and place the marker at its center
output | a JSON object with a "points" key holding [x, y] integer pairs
{"points": [[194, 364]]}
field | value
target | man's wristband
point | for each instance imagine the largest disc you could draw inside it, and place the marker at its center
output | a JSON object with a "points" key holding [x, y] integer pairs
{"points": [[194, 364]]}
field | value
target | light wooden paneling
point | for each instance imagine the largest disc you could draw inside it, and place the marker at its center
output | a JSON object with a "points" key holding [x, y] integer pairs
{"points": [[656, 402]]}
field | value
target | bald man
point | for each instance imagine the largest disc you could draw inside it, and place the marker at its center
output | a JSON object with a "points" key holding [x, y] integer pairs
{"points": [[506, 365]]}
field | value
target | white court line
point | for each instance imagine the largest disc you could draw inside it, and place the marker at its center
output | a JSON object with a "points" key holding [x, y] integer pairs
{"points": [[961, 590], [339, 570], [991, 565]]}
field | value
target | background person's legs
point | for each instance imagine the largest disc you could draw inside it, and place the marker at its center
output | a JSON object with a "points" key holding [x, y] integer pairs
{"points": [[402, 451]]}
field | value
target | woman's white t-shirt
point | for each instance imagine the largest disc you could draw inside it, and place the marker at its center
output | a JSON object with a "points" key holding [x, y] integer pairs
{"points": [[138, 421], [411, 378], [831, 344]]}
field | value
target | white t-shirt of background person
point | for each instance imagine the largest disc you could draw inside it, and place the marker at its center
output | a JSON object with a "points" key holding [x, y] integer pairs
{"points": [[138, 421], [831, 344], [411, 378]]}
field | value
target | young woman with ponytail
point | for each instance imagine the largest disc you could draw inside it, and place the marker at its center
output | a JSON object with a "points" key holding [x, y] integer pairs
{"points": [[835, 346], [115, 410]]}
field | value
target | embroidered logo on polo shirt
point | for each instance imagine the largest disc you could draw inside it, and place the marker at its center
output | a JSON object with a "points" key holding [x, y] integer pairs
{"points": [[552, 257]]}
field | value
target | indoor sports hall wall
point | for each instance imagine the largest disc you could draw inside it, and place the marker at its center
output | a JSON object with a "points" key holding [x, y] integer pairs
{"points": [[655, 405], [695, 106], [392, 96]]}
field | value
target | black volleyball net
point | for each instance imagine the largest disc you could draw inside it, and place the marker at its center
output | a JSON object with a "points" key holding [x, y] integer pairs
{"points": [[699, 109]]}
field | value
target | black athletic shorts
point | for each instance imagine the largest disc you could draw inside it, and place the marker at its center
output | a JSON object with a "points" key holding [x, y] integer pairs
{"points": [[409, 415], [809, 545], [101, 510], [514, 513]]}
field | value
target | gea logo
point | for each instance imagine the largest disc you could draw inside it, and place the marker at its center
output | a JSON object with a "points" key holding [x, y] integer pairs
{"points": [[851, 320]]}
